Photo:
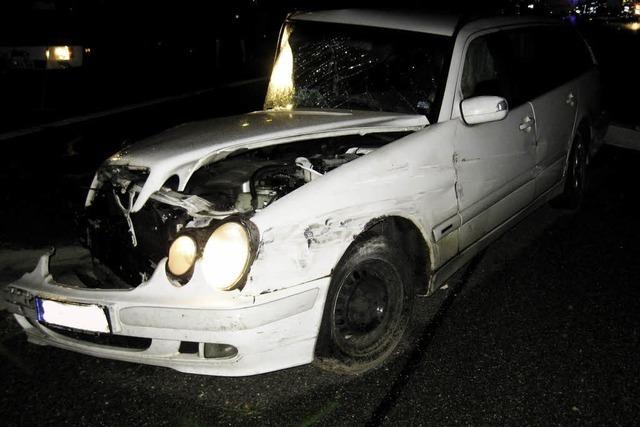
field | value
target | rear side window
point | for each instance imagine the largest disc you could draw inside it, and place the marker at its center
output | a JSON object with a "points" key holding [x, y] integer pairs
{"points": [[546, 57], [567, 50]]}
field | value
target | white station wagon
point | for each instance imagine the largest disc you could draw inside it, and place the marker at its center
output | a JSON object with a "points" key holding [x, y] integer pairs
{"points": [[391, 149]]}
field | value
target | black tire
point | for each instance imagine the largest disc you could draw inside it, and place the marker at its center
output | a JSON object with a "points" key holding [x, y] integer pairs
{"points": [[368, 307], [576, 179]]}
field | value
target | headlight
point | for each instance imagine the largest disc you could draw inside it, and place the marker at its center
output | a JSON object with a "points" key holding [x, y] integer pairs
{"points": [[59, 53], [226, 256], [182, 255]]}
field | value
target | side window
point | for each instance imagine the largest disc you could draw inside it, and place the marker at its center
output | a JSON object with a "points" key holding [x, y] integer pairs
{"points": [[579, 52], [487, 69], [479, 75], [556, 64], [524, 63], [545, 58], [529, 68]]}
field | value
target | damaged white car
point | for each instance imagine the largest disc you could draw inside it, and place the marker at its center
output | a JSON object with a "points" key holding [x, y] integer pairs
{"points": [[393, 147]]}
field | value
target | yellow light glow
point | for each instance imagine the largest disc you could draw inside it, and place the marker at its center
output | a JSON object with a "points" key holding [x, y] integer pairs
{"points": [[182, 255], [226, 256], [280, 92], [635, 26], [59, 53]]}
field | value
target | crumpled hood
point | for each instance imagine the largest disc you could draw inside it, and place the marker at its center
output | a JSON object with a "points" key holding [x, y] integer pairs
{"points": [[184, 149]]}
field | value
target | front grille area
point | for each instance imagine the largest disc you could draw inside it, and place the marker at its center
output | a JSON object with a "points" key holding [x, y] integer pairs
{"points": [[109, 239], [120, 341]]}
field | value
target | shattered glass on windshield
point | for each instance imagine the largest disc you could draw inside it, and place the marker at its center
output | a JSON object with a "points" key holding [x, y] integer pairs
{"points": [[350, 67]]}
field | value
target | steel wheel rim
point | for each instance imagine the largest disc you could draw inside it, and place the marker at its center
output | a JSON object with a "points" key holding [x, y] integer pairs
{"points": [[367, 308]]}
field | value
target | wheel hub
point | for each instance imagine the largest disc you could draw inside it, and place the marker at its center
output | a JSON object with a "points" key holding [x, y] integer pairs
{"points": [[366, 305]]}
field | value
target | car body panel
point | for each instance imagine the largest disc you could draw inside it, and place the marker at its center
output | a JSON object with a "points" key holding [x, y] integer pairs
{"points": [[444, 25], [557, 110], [493, 161], [271, 331], [182, 150], [308, 230]]}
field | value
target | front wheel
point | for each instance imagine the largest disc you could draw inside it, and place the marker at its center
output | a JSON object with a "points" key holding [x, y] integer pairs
{"points": [[368, 307]]}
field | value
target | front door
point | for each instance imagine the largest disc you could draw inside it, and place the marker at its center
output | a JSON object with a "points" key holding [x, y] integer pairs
{"points": [[494, 161]]}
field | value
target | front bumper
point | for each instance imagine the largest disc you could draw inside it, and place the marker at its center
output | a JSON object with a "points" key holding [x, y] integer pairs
{"points": [[271, 331]]}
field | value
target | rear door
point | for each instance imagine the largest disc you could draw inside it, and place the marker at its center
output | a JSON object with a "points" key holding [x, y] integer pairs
{"points": [[550, 68], [494, 161]]}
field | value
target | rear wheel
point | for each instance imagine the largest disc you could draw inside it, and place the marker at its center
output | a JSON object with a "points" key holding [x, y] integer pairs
{"points": [[576, 179], [368, 307]]}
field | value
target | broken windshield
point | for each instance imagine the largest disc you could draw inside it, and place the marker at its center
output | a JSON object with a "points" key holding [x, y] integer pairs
{"points": [[335, 66]]}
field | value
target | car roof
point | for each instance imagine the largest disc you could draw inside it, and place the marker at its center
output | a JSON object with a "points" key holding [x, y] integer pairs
{"points": [[415, 20]]}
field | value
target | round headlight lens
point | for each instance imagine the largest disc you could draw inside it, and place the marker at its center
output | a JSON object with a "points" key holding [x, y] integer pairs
{"points": [[226, 256], [182, 255]]}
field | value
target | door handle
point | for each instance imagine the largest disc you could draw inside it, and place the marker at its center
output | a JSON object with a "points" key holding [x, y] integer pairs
{"points": [[527, 124], [571, 100]]}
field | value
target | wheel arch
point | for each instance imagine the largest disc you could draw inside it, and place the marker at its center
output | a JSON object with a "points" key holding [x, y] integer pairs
{"points": [[405, 234]]}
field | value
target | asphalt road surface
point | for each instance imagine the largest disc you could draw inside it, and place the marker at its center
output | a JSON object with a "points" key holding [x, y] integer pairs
{"points": [[543, 328]]}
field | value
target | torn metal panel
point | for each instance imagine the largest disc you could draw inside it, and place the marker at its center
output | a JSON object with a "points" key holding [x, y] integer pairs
{"points": [[182, 150], [305, 233]]}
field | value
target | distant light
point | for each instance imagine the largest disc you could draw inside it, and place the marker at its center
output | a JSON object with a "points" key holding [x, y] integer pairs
{"points": [[635, 26], [530, 6], [59, 53]]}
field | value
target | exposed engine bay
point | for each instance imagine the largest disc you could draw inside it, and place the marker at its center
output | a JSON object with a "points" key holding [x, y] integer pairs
{"points": [[130, 244]]}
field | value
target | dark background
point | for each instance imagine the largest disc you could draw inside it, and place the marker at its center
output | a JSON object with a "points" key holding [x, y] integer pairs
{"points": [[144, 50]]}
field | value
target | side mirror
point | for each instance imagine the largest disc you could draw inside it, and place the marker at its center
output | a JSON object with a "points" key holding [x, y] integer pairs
{"points": [[483, 109]]}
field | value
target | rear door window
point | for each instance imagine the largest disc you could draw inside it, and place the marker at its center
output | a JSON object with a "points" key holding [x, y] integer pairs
{"points": [[523, 64], [546, 57]]}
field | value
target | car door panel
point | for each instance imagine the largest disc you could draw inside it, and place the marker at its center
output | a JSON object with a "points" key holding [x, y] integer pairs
{"points": [[494, 161], [556, 112], [494, 165]]}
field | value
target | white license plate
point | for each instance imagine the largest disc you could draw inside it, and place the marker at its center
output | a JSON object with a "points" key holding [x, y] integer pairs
{"points": [[86, 317]]}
